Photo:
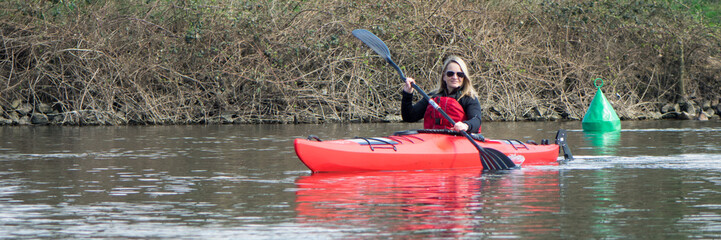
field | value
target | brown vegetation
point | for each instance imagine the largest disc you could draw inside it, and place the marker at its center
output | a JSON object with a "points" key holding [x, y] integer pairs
{"points": [[179, 62]]}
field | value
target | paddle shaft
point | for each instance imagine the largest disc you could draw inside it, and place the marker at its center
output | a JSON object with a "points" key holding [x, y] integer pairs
{"points": [[488, 164], [425, 96]]}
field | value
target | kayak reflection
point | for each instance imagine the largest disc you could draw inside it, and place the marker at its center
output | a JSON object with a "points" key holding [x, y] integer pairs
{"points": [[441, 203]]}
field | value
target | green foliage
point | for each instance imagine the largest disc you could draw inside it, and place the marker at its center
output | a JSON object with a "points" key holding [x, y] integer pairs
{"points": [[61, 11], [704, 11]]}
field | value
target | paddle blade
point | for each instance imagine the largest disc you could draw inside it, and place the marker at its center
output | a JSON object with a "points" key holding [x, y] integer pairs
{"points": [[502, 161], [373, 42]]}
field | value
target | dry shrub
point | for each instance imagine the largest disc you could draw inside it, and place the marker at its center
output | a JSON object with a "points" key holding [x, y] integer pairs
{"points": [[154, 62]]}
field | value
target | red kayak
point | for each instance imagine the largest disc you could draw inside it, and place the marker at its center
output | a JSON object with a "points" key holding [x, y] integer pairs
{"points": [[419, 150]]}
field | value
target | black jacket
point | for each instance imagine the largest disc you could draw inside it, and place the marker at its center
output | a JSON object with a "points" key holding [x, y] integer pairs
{"points": [[414, 112]]}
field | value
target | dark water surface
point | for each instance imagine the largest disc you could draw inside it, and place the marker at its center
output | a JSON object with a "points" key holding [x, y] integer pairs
{"points": [[653, 180]]}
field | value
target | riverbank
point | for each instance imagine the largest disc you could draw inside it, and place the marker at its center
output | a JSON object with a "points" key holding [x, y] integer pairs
{"points": [[44, 114], [258, 62]]}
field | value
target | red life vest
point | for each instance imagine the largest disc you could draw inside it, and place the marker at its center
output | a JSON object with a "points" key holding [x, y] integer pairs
{"points": [[433, 119]]}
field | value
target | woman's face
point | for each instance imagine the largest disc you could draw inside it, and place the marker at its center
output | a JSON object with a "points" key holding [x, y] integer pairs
{"points": [[451, 77]]}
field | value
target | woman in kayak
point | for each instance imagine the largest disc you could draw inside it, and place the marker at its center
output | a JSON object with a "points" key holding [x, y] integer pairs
{"points": [[455, 95]]}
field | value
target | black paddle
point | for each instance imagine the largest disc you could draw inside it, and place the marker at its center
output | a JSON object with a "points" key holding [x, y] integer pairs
{"points": [[491, 159]]}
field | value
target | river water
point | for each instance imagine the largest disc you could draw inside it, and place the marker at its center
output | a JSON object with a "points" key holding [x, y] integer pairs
{"points": [[652, 180]]}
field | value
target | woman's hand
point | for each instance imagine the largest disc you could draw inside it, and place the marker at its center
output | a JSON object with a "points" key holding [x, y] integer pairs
{"points": [[408, 85], [460, 126]]}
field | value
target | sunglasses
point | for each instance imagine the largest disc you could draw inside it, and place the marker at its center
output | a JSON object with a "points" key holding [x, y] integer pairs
{"points": [[459, 74]]}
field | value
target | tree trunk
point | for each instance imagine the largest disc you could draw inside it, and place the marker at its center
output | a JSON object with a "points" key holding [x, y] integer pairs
{"points": [[682, 96]]}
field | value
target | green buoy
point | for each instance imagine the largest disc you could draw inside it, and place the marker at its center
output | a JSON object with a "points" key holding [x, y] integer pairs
{"points": [[600, 116]]}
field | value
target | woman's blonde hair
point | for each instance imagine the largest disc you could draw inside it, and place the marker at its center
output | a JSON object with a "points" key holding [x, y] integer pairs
{"points": [[467, 85]]}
